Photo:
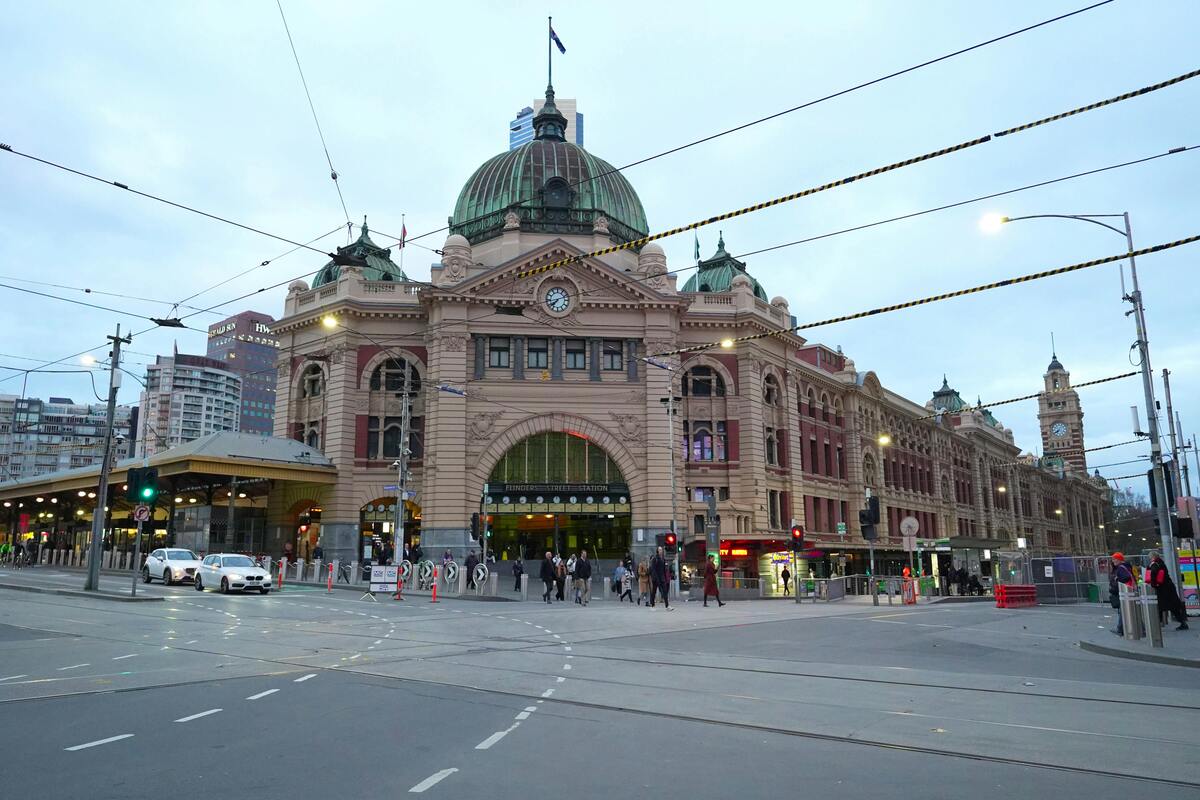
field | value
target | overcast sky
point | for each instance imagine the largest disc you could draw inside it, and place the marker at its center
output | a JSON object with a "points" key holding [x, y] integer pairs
{"points": [[201, 103]]}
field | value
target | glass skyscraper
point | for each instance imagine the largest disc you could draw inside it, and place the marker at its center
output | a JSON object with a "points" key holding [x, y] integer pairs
{"points": [[520, 130]]}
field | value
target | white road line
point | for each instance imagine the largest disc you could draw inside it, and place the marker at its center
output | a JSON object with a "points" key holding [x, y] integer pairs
{"points": [[356, 655], [378, 641], [193, 641], [523, 715], [261, 695], [13, 677], [74, 666], [567, 648], [556, 636], [547, 693], [118, 658], [561, 679], [566, 666], [303, 678], [98, 742], [433, 780], [198, 716], [491, 740], [531, 708]]}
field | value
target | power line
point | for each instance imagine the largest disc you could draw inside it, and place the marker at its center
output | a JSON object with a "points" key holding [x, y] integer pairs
{"points": [[804, 105], [964, 145], [88, 305], [332, 172], [1033, 276], [1034, 396]]}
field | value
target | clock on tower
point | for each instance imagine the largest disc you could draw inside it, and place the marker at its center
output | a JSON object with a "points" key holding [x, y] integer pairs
{"points": [[1061, 419]]}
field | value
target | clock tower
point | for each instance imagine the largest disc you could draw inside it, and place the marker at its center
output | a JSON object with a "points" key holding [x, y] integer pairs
{"points": [[1061, 419]]}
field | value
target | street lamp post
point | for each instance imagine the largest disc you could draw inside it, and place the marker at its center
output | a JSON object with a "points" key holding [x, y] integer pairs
{"points": [[1134, 298]]}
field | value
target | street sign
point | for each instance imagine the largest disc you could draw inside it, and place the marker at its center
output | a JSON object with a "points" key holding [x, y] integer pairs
{"points": [[142, 513], [910, 544], [391, 487], [909, 527], [841, 529], [383, 579]]}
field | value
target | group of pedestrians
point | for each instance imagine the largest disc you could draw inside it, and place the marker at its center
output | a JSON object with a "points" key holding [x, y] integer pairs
{"points": [[555, 572], [1158, 577], [19, 555], [653, 576]]}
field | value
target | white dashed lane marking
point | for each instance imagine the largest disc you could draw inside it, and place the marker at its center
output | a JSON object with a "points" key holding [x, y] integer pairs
{"points": [[198, 716], [432, 780], [303, 678], [75, 666], [99, 742], [261, 695], [119, 658]]}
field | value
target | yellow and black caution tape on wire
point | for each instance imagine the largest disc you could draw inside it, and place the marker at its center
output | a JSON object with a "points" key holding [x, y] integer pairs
{"points": [[1033, 276], [636, 243], [1034, 396]]}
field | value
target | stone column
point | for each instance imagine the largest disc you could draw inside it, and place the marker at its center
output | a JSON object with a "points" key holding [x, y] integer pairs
{"points": [[518, 358], [593, 346], [556, 358], [340, 517], [445, 509]]}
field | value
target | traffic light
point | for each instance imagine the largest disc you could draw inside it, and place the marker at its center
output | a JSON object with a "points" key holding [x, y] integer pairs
{"points": [[873, 510], [475, 526], [660, 540], [672, 542], [797, 539], [141, 485]]}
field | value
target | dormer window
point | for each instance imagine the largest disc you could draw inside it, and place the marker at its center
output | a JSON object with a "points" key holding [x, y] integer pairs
{"points": [[557, 193]]}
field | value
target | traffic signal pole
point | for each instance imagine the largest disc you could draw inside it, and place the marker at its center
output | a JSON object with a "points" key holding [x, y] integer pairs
{"points": [[92, 583]]}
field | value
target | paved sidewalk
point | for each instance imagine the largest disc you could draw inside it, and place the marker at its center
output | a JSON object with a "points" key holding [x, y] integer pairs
{"points": [[1180, 648]]}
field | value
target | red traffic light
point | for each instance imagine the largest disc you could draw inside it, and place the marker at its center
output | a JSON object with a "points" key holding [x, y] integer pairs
{"points": [[671, 540], [797, 533], [304, 529]]}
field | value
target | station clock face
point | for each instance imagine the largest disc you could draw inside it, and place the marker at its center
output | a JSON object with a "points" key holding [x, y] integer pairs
{"points": [[557, 299], [1058, 430]]}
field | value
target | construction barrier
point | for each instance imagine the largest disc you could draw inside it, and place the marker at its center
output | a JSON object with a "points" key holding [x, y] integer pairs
{"points": [[1016, 596]]}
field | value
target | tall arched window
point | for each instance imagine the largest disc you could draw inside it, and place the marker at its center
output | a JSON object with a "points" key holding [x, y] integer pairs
{"points": [[703, 382], [385, 420], [812, 403], [312, 382], [771, 393], [390, 375]]}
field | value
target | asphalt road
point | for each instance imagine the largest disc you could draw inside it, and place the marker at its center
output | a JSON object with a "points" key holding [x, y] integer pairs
{"points": [[303, 694]]}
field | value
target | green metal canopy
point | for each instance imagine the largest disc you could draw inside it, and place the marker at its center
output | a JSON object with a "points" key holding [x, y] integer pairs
{"points": [[716, 274], [380, 266]]}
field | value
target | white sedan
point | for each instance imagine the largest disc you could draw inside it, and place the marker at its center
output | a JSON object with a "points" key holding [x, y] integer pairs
{"points": [[230, 572], [170, 565]]}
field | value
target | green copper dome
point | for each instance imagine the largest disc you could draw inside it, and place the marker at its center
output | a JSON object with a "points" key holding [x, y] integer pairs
{"points": [[377, 261], [716, 274], [552, 185]]}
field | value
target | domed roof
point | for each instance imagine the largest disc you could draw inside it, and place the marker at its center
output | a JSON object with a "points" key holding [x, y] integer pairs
{"points": [[374, 261], [552, 185], [1055, 364], [716, 274]]}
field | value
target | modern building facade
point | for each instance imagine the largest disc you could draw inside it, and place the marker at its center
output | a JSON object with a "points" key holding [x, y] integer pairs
{"points": [[245, 344], [187, 397], [520, 129], [38, 437], [534, 402]]}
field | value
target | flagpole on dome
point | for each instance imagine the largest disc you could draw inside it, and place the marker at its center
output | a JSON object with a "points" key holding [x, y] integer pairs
{"points": [[549, 45], [403, 236]]}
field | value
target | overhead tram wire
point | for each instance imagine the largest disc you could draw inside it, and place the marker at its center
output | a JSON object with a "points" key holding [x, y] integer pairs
{"points": [[333, 174], [964, 145], [88, 305], [1034, 396], [807, 104]]}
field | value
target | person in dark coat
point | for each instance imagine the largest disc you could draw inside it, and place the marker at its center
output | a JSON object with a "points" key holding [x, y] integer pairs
{"points": [[786, 575], [470, 565], [962, 581], [518, 569], [549, 575], [583, 579], [710, 581], [658, 578], [1164, 588]]}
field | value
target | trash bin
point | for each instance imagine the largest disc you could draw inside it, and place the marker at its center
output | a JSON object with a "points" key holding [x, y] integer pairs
{"points": [[1093, 593]]}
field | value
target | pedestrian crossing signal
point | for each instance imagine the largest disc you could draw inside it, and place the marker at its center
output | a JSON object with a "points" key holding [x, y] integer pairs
{"points": [[671, 541], [797, 538]]}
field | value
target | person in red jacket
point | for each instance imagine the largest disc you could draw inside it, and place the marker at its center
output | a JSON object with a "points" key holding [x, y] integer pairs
{"points": [[710, 582], [1168, 598]]}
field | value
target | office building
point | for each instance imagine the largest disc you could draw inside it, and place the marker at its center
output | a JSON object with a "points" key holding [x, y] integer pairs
{"points": [[247, 347], [520, 130], [187, 397]]}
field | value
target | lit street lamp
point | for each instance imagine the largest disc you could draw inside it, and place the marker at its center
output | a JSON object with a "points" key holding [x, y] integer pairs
{"points": [[993, 223]]}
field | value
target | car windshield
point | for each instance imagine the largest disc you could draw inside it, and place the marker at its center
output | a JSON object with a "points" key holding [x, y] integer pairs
{"points": [[181, 555], [236, 561]]}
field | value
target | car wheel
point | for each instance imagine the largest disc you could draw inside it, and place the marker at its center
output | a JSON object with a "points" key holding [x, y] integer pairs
{"points": [[145, 574], [264, 591], [166, 577], [224, 586], [199, 586]]}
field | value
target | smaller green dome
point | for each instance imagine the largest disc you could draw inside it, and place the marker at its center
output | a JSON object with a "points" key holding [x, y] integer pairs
{"points": [[947, 399], [377, 264], [716, 274]]}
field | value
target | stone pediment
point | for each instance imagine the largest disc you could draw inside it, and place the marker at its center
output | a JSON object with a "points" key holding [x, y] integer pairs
{"points": [[589, 281]]}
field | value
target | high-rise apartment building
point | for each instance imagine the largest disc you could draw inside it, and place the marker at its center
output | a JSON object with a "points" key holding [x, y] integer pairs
{"points": [[42, 436], [520, 130], [187, 397], [247, 347]]}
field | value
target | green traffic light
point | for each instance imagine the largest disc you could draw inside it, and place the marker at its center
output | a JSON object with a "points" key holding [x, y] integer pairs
{"points": [[147, 492]]}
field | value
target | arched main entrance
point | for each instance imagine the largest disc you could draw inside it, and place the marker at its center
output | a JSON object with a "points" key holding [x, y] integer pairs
{"points": [[377, 524], [557, 491]]}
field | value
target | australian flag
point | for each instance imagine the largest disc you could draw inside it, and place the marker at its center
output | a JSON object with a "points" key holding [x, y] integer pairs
{"points": [[554, 36]]}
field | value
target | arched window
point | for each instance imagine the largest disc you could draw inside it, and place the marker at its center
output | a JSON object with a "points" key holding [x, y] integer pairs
{"points": [[703, 382], [313, 439], [826, 409], [312, 382], [812, 403], [771, 393], [389, 376], [704, 440]]}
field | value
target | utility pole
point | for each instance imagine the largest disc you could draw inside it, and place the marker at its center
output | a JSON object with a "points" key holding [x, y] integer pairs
{"points": [[114, 383], [1174, 441], [402, 462], [230, 527], [137, 544], [674, 486], [1143, 345], [1183, 448]]}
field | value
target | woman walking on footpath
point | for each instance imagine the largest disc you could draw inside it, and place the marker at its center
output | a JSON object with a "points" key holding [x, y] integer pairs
{"points": [[626, 585], [710, 582], [643, 572]]}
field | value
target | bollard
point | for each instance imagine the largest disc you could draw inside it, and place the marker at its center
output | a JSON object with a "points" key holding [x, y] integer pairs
{"points": [[329, 586], [355, 573], [318, 569], [1151, 620], [435, 577], [399, 585], [524, 586], [282, 572]]}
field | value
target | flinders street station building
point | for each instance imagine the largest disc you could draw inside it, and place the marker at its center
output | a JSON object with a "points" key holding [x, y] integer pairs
{"points": [[531, 402]]}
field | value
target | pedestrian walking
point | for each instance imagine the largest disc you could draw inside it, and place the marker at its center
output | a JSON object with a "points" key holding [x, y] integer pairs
{"points": [[318, 552], [962, 581], [470, 565], [560, 577], [710, 581], [786, 575], [1121, 575], [417, 554], [658, 578], [549, 576], [626, 587], [1164, 588], [583, 579], [643, 573], [518, 569]]}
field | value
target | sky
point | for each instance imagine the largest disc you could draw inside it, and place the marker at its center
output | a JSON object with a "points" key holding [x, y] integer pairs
{"points": [[202, 104]]}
